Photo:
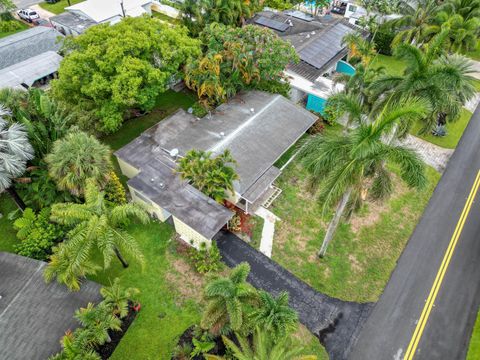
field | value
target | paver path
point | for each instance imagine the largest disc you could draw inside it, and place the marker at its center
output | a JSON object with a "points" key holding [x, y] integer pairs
{"points": [[266, 243], [433, 155], [476, 67], [335, 322]]}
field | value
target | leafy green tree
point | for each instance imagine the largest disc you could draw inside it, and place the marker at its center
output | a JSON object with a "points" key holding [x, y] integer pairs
{"points": [[198, 14], [96, 228], [275, 315], [111, 69], [263, 347], [227, 301], [6, 5], [15, 151], [443, 80], [349, 165], [37, 234], [116, 297], [76, 158], [238, 58], [214, 176]]}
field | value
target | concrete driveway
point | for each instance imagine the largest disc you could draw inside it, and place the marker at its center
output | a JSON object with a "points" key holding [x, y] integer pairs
{"points": [[22, 4]]}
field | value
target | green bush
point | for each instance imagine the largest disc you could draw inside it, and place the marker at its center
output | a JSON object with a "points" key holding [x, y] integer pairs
{"points": [[114, 190], [205, 259], [37, 234], [199, 110], [383, 41], [9, 26]]}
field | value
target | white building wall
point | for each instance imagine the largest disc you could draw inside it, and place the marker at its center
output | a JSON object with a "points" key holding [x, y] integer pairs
{"points": [[189, 235]]}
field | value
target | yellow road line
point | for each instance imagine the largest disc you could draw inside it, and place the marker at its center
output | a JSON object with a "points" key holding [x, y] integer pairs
{"points": [[417, 335]]}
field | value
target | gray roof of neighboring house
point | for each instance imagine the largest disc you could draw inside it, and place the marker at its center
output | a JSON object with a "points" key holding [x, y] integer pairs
{"points": [[317, 42], [73, 21], [35, 315], [30, 70], [158, 181], [27, 44], [255, 139]]}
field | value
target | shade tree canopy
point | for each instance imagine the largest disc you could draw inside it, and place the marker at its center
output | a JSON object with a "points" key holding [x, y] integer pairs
{"points": [[109, 70]]}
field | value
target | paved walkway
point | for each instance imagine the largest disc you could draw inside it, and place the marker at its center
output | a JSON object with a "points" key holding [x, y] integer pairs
{"points": [[476, 67], [335, 322], [268, 230]]}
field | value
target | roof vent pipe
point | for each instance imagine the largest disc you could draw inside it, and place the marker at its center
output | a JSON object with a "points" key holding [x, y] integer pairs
{"points": [[252, 110]]}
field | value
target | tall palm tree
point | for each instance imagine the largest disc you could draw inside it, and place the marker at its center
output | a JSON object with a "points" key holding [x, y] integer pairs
{"points": [[350, 165], [96, 227], [417, 17], [15, 151], [359, 48], [443, 80], [263, 347], [275, 315], [227, 298], [76, 158], [117, 297]]}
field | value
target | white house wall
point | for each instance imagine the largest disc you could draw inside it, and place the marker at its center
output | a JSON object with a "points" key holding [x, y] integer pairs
{"points": [[189, 235], [127, 169]]}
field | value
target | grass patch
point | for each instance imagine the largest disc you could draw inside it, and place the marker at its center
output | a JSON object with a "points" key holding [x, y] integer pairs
{"points": [[475, 54], [165, 313], [474, 347], [454, 131], [21, 26], [257, 228], [165, 18], [363, 253], [58, 7], [476, 83], [8, 238], [392, 66]]}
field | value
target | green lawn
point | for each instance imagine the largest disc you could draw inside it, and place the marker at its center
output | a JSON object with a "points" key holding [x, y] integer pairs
{"points": [[58, 7], [454, 132], [166, 18], [474, 347], [392, 66], [475, 54], [22, 27], [8, 236], [363, 253]]}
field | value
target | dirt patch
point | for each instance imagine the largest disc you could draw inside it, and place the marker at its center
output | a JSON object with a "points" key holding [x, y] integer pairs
{"points": [[355, 264], [187, 282], [377, 208]]}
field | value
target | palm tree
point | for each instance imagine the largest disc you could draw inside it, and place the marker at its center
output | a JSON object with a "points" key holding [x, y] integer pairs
{"points": [[443, 80], [15, 151], [117, 297], [417, 17], [97, 227], [96, 322], [263, 348], [359, 48], [274, 315], [468, 9], [72, 349], [347, 166], [76, 158], [227, 298], [212, 176]]}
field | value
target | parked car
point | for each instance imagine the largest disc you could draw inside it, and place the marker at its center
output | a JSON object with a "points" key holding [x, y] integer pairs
{"points": [[28, 15], [42, 22], [52, 1], [339, 10]]}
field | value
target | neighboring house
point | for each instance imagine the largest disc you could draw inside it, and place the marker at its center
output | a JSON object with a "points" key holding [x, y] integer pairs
{"points": [[255, 126], [318, 42], [81, 16], [34, 315], [29, 58]]}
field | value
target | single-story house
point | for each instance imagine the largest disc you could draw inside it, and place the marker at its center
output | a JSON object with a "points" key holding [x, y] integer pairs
{"points": [[256, 127], [70, 23], [35, 315], [29, 58], [318, 42]]}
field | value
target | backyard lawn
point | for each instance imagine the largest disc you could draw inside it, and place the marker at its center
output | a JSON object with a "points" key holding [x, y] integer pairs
{"points": [[363, 253], [454, 132], [474, 347], [392, 66], [58, 7]]}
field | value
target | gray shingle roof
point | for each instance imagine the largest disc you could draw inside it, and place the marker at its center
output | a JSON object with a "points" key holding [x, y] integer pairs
{"points": [[26, 44], [35, 315], [73, 21], [30, 70]]}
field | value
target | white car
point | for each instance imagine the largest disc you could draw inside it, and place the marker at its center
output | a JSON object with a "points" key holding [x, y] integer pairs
{"points": [[28, 15]]}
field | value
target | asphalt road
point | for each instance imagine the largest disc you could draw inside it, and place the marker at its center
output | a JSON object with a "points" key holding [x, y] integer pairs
{"points": [[22, 4], [445, 313]]}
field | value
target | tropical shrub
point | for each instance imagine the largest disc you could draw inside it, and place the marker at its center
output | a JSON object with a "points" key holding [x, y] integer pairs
{"points": [[238, 58], [114, 190], [9, 26], [76, 158], [205, 259], [211, 175], [117, 298], [383, 40], [111, 69], [37, 234], [229, 300]]}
